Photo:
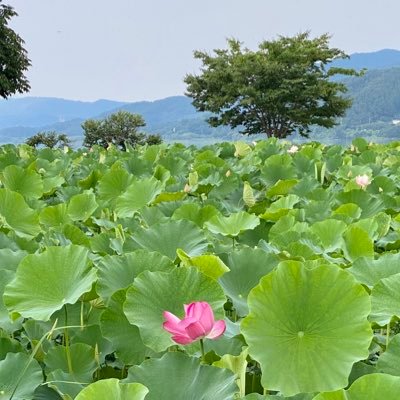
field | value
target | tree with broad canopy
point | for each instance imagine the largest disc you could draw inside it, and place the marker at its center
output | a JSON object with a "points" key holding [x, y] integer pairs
{"points": [[283, 87], [13, 57]]}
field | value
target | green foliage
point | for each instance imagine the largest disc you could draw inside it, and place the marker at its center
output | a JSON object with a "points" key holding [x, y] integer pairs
{"points": [[48, 139], [304, 271], [282, 88], [13, 57], [120, 129]]}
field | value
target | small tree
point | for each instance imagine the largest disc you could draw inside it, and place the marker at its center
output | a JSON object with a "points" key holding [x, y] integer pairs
{"points": [[282, 88], [118, 129], [48, 139], [13, 57]]}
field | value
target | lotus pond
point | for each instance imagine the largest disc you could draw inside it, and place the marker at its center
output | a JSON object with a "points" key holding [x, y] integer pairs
{"points": [[234, 271]]}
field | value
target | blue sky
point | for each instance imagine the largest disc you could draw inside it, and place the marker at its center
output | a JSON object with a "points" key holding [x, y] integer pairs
{"points": [[132, 50]]}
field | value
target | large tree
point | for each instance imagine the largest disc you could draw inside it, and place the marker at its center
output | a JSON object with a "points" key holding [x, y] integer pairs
{"points": [[13, 57], [285, 86], [119, 129]]}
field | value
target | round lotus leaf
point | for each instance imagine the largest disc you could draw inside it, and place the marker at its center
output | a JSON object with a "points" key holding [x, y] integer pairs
{"points": [[108, 389], [137, 195], [113, 183], [389, 361], [169, 236], [125, 338], [358, 243], [368, 387], [369, 271], [232, 225], [177, 376], [118, 272], [18, 371], [247, 266], [82, 206], [307, 327], [17, 216], [82, 357], [385, 300], [152, 293], [45, 282], [24, 181]]}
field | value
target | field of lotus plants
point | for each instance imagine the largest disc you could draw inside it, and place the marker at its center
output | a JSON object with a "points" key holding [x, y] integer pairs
{"points": [[234, 271]]}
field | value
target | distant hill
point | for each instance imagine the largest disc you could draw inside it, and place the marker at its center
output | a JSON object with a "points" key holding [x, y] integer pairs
{"points": [[376, 103], [41, 111], [381, 59]]}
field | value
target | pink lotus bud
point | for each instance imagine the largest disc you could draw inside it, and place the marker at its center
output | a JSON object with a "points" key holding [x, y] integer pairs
{"points": [[198, 323], [362, 181], [187, 188], [293, 149]]}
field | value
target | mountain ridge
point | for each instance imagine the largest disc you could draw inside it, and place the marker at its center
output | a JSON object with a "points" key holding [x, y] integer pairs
{"points": [[175, 117]]}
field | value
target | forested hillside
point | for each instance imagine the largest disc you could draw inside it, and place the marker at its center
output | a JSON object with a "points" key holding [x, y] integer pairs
{"points": [[376, 103]]}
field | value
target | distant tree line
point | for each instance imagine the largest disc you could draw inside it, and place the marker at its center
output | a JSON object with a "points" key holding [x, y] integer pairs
{"points": [[119, 129]]}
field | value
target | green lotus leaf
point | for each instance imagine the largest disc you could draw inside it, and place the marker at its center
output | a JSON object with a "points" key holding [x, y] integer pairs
{"points": [[118, 272], [369, 271], [169, 196], [184, 377], [76, 235], [45, 282], [46, 393], [5, 322], [65, 384], [247, 266], [24, 181], [195, 213], [360, 369], [347, 212], [90, 334], [238, 365], [389, 361], [277, 167], [8, 345], [113, 183], [152, 293], [82, 357], [329, 232], [53, 216], [167, 237], [368, 387], [232, 225], [357, 243], [51, 183], [208, 264], [137, 195], [82, 206], [369, 205], [385, 300], [18, 372], [311, 324], [280, 207], [125, 338], [281, 188], [108, 389], [9, 259], [17, 216]]}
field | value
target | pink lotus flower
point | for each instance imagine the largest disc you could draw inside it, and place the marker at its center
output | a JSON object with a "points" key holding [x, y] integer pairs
{"points": [[198, 323], [362, 181]]}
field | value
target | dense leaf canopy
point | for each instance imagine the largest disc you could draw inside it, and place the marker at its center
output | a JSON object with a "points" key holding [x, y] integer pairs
{"points": [[13, 57], [282, 88]]}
